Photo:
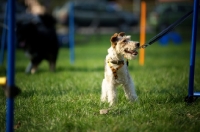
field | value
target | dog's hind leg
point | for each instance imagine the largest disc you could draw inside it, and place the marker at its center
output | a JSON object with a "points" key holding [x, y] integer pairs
{"points": [[130, 91], [29, 67], [52, 66]]}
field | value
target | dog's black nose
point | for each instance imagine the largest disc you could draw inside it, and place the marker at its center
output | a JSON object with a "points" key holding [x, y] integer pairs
{"points": [[137, 44]]}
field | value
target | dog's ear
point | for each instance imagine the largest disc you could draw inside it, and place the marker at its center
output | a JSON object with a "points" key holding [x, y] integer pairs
{"points": [[113, 40], [121, 34]]}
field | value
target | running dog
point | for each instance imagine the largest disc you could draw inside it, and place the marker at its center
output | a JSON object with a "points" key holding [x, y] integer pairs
{"points": [[116, 69]]}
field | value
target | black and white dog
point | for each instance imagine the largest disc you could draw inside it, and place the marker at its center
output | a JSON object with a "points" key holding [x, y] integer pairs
{"points": [[37, 36]]}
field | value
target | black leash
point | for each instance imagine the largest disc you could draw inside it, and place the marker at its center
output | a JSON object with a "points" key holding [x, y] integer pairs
{"points": [[165, 31]]}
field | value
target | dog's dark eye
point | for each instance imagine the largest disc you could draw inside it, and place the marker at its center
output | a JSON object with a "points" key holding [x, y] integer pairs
{"points": [[124, 41]]}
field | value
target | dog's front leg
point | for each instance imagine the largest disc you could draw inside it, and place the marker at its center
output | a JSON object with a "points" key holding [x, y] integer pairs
{"points": [[104, 90], [52, 66], [129, 90], [108, 92], [112, 93]]}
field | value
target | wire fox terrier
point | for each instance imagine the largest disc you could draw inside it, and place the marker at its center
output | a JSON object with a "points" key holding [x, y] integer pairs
{"points": [[116, 70]]}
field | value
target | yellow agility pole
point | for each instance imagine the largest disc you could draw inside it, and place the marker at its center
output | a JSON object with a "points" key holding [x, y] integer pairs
{"points": [[2, 81], [142, 31]]}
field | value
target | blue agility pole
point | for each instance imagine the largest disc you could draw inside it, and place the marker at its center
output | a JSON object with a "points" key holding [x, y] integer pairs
{"points": [[10, 65], [191, 92], [71, 32], [3, 37]]}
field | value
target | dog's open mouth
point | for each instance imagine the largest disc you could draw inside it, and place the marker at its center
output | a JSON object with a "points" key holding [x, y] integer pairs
{"points": [[132, 52]]}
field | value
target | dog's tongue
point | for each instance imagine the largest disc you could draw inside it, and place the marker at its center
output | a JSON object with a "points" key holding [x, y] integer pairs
{"points": [[132, 52]]}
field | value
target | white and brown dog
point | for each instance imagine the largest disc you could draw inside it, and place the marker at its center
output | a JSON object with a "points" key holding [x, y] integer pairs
{"points": [[116, 70]]}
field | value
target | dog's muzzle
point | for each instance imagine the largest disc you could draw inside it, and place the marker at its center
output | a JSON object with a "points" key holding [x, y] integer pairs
{"points": [[132, 52]]}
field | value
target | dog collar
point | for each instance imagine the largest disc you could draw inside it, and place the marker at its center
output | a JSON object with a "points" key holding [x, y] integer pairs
{"points": [[117, 62]]}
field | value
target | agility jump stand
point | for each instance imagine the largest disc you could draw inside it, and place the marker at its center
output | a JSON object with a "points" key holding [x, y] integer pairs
{"points": [[142, 31], [192, 96], [10, 65], [9, 84]]}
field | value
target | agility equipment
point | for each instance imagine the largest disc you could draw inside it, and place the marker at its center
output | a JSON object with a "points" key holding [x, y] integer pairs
{"points": [[192, 96], [2, 81], [142, 31], [167, 30], [10, 89], [10, 64]]}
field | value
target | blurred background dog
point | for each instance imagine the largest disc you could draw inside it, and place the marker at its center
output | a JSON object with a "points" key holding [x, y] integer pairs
{"points": [[36, 34]]}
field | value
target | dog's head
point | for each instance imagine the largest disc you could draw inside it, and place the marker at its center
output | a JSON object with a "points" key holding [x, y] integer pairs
{"points": [[124, 45]]}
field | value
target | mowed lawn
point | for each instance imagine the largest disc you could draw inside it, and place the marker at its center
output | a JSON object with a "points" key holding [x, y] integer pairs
{"points": [[69, 99]]}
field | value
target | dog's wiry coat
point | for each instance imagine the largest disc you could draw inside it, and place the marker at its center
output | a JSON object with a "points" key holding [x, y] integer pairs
{"points": [[116, 69]]}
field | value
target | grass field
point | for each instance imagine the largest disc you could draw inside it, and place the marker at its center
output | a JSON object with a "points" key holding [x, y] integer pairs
{"points": [[69, 100]]}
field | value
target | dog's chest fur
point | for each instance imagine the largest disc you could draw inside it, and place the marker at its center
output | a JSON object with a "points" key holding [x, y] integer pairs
{"points": [[122, 72]]}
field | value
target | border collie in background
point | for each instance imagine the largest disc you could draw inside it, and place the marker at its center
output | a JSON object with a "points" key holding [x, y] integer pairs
{"points": [[37, 36]]}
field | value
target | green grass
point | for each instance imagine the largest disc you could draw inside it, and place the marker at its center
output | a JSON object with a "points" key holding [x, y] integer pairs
{"points": [[69, 100]]}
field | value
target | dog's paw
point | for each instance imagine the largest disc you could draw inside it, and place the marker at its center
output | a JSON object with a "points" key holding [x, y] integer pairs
{"points": [[103, 99]]}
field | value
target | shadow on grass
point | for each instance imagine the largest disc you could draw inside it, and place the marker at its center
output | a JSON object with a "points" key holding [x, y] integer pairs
{"points": [[164, 96], [63, 69], [84, 69], [28, 93]]}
